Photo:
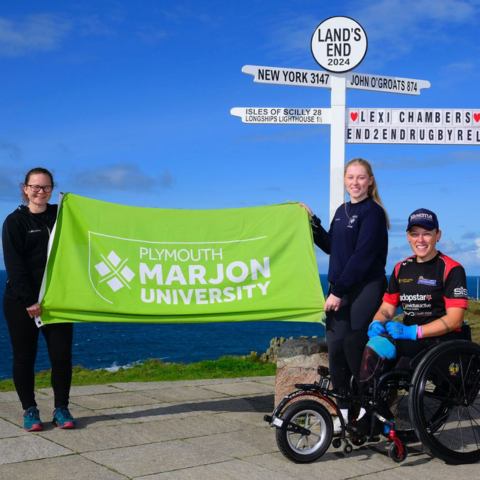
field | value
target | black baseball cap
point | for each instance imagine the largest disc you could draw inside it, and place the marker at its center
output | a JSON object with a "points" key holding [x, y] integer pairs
{"points": [[423, 218]]}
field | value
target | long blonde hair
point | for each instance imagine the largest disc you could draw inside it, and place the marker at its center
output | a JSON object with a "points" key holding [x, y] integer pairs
{"points": [[372, 189]]}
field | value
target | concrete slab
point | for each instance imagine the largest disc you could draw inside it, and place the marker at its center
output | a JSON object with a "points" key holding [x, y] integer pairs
{"points": [[92, 390], [155, 458], [183, 394], [241, 388], [150, 413], [8, 397], [251, 418], [335, 465], [8, 429], [261, 404], [30, 447], [135, 386], [241, 444], [113, 400], [234, 470], [72, 467], [125, 435]]}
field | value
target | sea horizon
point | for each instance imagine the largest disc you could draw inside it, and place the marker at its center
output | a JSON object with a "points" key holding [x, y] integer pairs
{"points": [[116, 345]]}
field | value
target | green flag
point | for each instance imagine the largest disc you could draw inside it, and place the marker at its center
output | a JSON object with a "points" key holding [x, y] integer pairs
{"points": [[114, 263]]}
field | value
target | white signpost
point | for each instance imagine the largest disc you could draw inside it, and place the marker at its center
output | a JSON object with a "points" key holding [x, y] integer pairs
{"points": [[339, 44]]}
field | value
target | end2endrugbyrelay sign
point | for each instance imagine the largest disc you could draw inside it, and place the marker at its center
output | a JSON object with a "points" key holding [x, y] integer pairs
{"points": [[339, 44]]}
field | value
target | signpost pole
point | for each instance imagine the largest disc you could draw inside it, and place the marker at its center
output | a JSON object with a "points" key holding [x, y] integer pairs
{"points": [[337, 142]]}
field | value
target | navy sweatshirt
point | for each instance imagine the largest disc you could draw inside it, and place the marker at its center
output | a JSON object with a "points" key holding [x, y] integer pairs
{"points": [[357, 243]]}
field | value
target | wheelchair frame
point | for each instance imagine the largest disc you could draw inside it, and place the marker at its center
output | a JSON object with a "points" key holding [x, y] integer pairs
{"points": [[443, 409]]}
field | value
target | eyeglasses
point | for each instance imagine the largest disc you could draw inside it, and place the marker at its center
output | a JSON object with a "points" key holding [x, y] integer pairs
{"points": [[37, 188]]}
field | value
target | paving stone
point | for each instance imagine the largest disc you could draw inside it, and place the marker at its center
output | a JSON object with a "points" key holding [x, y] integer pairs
{"points": [[156, 458], [241, 388], [150, 413], [29, 447], [8, 429], [260, 404], [72, 467], [125, 435], [183, 394], [252, 418], [92, 390], [242, 443], [234, 470], [8, 397], [113, 400], [335, 465], [135, 386]]}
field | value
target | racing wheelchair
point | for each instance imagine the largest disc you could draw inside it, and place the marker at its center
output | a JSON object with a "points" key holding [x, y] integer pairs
{"points": [[434, 398]]}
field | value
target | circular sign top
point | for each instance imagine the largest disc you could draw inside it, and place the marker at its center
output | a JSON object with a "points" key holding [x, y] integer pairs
{"points": [[339, 44]]}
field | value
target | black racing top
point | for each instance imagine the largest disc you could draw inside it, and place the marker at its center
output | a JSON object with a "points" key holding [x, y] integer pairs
{"points": [[357, 243], [425, 290], [25, 243]]}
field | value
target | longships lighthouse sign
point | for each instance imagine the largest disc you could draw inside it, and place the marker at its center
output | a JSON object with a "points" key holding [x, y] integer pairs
{"points": [[338, 45]]}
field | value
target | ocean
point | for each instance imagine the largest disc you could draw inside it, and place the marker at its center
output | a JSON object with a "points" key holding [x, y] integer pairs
{"points": [[99, 345], [112, 345]]}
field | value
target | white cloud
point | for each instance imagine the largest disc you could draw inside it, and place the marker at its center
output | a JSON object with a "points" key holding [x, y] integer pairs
{"points": [[122, 176], [34, 33]]}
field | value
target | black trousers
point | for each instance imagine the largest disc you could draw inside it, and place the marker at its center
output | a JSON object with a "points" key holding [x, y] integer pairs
{"points": [[24, 337], [355, 313]]}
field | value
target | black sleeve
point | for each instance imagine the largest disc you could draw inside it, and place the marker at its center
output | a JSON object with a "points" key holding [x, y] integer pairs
{"points": [[321, 237], [13, 239]]}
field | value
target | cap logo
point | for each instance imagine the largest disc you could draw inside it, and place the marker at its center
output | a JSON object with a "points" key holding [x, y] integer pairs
{"points": [[421, 216]]}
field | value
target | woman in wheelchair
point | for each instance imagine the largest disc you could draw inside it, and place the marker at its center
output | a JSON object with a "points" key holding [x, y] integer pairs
{"points": [[431, 290]]}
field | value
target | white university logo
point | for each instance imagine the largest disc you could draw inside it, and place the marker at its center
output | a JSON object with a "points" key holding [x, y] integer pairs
{"points": [[114, 271]]}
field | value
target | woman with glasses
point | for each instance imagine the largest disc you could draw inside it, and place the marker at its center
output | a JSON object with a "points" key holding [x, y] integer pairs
{"points": [[25, 237]]}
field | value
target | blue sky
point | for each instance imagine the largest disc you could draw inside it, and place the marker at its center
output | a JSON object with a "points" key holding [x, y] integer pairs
{"points": [[129, 102]]}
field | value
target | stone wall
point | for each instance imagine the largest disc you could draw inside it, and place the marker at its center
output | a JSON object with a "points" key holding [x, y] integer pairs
{"points": [[297, 362]]}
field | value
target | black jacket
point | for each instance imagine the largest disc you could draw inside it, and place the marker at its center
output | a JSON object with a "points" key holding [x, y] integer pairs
{"points": [[25, 243]]}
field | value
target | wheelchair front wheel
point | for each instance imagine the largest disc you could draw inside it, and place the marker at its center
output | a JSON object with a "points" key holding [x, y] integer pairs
{"points": [[445, 402], [302, 448]]}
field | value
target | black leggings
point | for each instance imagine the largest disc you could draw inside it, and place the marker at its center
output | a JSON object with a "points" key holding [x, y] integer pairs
{"points": [[355, 313], [355, 344], [24, 338]]}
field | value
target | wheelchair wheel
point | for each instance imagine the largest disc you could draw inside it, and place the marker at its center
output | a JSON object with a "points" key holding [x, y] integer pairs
{"points": [[445, 403], [305, 448]]}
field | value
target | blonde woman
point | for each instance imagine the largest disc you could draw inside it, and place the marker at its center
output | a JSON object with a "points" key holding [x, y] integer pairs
{"points": [[357, 243]]}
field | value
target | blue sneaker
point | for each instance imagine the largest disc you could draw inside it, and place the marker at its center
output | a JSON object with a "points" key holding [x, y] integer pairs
{"points": [[31, 420], [62, 418]]}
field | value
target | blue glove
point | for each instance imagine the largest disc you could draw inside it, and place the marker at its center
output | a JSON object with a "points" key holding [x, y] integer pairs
{"points": [[383, 347], [376, 328], [399, 331]]}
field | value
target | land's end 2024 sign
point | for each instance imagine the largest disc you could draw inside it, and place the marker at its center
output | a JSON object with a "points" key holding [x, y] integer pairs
{"points": [[114, 263]]}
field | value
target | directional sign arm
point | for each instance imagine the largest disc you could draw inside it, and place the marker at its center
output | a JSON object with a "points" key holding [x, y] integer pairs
{"points": [[381, 83], [288, 76], [283, 115]]}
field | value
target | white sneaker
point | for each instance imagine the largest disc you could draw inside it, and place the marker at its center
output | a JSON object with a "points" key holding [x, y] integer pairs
{"points": [[337, 426]]}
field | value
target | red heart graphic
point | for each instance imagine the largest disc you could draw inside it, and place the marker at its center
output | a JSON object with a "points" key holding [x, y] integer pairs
{"points": [[354, 116], [476, 116]]}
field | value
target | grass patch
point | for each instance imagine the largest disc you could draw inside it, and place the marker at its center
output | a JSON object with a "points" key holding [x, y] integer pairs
{"points": [[157, 371]]}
